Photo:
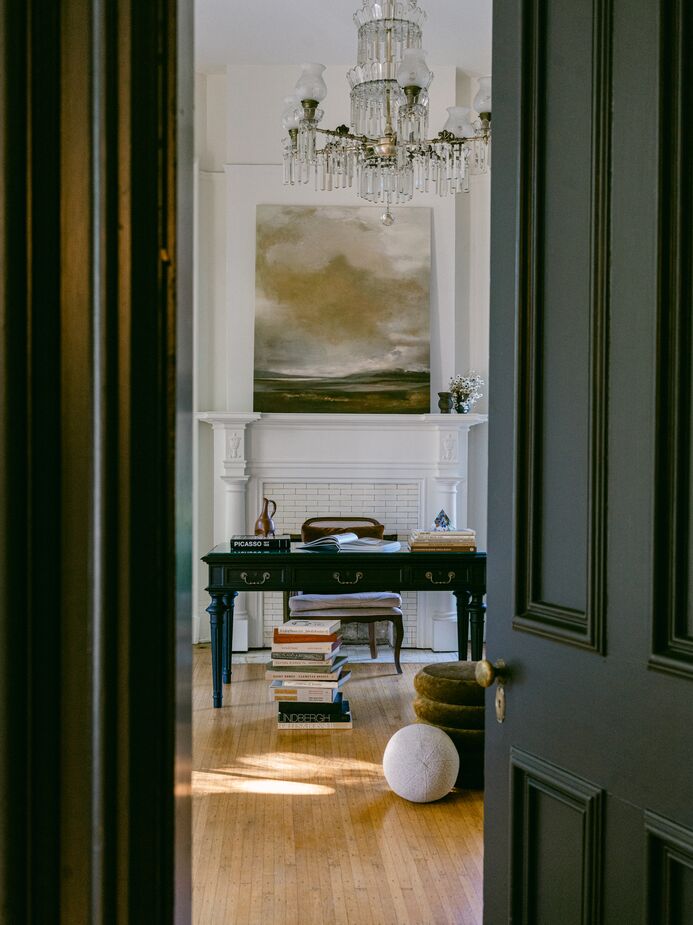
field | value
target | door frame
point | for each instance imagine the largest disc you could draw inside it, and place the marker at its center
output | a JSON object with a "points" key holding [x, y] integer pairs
{"points": [[95, 378]]}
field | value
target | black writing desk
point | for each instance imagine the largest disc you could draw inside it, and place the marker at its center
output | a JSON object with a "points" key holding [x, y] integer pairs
{"points": [[336, 572]]}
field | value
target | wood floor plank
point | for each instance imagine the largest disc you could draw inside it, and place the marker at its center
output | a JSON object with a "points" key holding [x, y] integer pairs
{"points": [[301, 828]]}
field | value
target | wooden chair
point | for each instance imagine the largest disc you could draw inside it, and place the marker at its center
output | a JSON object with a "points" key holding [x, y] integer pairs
{"points": [[361, 526]]}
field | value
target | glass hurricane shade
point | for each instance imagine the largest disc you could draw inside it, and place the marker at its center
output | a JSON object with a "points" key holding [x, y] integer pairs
{"points": [[291, 116], [413, 71], [482, 100], [310, 85], [459, 122]]}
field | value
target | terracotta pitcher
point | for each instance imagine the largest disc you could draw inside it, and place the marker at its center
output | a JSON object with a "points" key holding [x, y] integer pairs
{"points": [[264, 525]]}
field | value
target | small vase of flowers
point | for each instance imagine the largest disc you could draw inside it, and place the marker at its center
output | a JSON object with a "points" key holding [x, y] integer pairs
{"points": [[466, 391]]}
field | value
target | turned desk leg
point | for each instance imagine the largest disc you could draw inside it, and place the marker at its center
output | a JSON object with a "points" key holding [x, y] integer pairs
{"points": [[462, 598], [216, 611], [229, 598], [477, 609]]}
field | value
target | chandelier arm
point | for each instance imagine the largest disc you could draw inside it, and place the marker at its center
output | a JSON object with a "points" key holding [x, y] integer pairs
{"points": [[439, 139], [362, 139], [446, 138]]}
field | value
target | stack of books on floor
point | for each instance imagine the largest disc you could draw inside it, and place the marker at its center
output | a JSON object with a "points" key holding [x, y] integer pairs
{"points": [[306, 675], [443, 541]]}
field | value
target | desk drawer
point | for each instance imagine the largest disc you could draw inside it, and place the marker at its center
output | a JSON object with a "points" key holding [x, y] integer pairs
{"points": [[346, 577], [241, 578], [442, 578]]}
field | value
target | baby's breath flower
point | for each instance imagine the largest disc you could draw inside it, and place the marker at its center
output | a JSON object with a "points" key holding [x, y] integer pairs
{"points": [[466, 390]]}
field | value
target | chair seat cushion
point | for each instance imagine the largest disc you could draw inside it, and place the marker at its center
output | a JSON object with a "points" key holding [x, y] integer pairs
{"points": [[449, 682], [310, 602], [385, 613]]}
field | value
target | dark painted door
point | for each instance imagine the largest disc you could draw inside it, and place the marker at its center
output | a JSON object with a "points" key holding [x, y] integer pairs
{"points": [[589, 799]]}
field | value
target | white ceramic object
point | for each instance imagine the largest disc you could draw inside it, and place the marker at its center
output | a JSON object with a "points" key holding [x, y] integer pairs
{"points": [[421, 763]]}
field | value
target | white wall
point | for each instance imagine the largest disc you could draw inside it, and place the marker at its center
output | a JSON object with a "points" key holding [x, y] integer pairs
{"points": [[238, 144], [472, 266]]}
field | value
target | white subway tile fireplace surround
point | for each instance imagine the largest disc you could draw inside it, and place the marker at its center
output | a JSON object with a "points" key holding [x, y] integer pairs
{"points": [[400, 469], [395, 504]]}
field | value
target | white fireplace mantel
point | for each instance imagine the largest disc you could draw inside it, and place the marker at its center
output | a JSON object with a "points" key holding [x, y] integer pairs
{"points": [[251, 450]]}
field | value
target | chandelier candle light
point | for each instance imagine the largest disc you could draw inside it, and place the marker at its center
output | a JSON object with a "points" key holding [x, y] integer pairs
{"points": [[384, 151]]}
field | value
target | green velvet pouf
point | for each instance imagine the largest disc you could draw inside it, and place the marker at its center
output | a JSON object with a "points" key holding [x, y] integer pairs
{"points": [[450, 682], [471, 773], [450, 698], [467, 740], [459, 716]]}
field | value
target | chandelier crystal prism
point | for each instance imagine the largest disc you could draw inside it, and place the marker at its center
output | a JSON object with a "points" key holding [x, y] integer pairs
{"points": [[385, 152]]}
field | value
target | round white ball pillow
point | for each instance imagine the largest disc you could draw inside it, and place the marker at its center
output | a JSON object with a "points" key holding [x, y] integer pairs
{"points": [[421, 763]]}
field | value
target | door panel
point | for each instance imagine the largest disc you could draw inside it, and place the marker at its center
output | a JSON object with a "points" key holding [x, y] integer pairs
{"points": [[590, 522], [563, 144], [556, 837], [669, 872]]}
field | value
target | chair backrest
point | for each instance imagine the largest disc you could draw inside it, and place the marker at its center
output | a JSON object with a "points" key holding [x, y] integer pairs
{"points": [[361, 526]]}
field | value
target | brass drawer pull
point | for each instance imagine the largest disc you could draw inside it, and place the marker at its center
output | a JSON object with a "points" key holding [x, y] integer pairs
{"points": [[337, 577], [430, 577], [252, 578]]}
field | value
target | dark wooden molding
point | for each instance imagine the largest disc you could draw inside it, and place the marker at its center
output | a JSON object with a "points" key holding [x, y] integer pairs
{"points": [[94, 383], [669, 849], [530, 777], [672, 637], [15, 734], [585, 629]]}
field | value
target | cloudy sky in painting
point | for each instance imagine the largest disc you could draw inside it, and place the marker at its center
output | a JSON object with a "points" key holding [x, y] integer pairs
{"points": [[339, 293]]}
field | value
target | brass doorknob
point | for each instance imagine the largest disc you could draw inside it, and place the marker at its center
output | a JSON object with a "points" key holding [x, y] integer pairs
{"points": [[486, 673]]}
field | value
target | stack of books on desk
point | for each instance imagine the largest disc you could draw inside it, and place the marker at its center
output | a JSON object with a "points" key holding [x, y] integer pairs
{"points": [[306, 675], [443, 541], [246, 542]]}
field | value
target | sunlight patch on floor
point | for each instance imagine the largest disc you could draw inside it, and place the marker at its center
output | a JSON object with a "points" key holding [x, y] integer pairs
{"points": [[209, 782], [277, 772], [306, 765]]}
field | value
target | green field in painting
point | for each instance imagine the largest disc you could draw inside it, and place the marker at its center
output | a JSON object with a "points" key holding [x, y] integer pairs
{"points": [[393, 392]]}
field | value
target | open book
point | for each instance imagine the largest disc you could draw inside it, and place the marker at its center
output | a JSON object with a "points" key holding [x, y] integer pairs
{"points": [[350, 542]]}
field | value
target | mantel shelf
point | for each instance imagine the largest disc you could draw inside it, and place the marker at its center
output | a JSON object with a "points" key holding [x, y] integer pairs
{"points": [[344, 421]]}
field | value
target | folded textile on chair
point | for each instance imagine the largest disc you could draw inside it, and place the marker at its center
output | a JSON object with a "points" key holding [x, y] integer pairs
{"points": [[304, 602], [384, 612]]}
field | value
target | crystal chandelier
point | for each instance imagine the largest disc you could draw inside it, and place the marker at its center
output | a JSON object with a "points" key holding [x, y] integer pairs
{"points": [[385, 151]]}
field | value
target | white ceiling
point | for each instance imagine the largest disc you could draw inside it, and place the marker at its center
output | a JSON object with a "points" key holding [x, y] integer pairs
{"points": [[457, 32]]}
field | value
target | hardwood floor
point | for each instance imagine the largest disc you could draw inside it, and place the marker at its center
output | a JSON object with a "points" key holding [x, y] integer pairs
{"points": [[300, 828]]}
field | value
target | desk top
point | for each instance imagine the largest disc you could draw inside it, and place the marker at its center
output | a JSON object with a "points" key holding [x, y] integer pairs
{"points": [[221, 553], [327, 572]]}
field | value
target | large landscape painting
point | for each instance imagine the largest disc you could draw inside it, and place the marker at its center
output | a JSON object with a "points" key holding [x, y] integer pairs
{"points": [[342, 310]]}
